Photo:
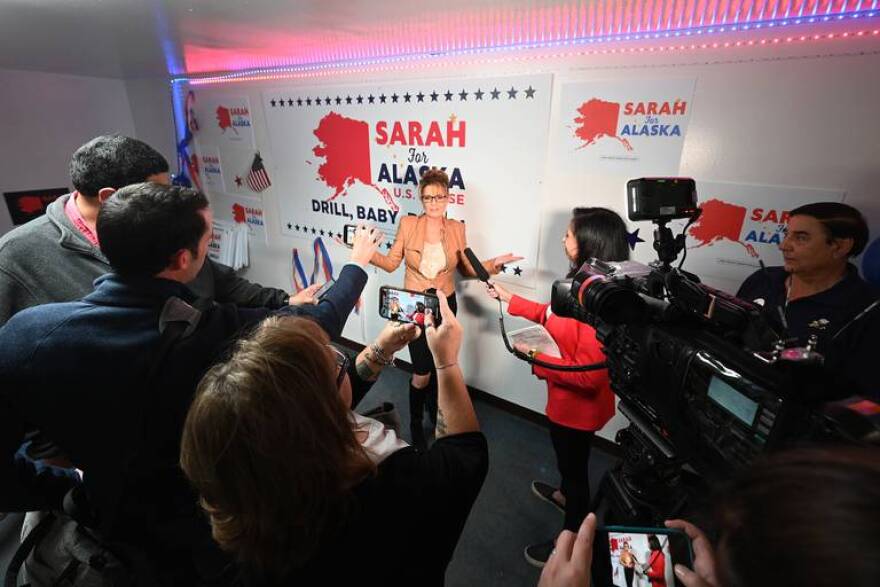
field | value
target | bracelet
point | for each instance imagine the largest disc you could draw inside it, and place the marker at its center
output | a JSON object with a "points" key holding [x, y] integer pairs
{"points": [[440, 367], [380, 357]]}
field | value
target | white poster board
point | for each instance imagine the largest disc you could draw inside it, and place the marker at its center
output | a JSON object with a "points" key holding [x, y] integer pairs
{"points": [[634, 127], [353, 154]]}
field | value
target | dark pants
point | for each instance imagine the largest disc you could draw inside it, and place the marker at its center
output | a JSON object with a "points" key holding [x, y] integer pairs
{"points": [[572, 448], [420, 354], [628, 575]]}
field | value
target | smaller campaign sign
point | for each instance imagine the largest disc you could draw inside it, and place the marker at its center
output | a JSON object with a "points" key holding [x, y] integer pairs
{"points": [[26, 205], [211, 169], [635, 127], [242, 210], [224, 120]]}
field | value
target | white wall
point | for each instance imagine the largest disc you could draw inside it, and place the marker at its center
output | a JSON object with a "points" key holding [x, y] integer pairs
{"points": [[800, 115], [46, 116]]}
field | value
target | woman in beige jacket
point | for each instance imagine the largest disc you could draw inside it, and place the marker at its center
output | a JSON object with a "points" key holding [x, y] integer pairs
{"points": [[432, 247]]}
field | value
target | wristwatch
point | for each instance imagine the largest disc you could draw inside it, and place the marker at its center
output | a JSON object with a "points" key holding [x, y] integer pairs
{"points": [[533, 353]]}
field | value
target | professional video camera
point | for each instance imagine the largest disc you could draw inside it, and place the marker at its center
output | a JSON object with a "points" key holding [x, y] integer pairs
{"points": [[702, 378]]}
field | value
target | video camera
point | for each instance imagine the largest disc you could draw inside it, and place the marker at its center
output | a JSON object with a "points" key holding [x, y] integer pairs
{"points": [[700, 374]]}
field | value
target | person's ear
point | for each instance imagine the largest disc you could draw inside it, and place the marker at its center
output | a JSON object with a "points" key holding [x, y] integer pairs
{"points": [[180, 260], [105, 193], [842, 247]]}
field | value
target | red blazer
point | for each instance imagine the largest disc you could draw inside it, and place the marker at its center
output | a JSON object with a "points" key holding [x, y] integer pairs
{"points": [[657, 569], [581, 400]]}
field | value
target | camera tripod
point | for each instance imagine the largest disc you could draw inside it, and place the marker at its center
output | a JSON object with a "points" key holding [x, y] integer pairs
{"points": [[650, 484]]}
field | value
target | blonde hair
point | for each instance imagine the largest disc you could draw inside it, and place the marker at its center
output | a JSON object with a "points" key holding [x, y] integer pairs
{"points": [[269, 445]]}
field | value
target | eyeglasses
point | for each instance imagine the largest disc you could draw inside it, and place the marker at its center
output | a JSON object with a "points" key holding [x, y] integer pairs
{"points": [[432, 199], [342, 363]]}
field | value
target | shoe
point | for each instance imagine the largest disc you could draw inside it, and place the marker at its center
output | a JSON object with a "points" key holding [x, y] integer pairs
{"points": [[545, 492], [537, 554]]}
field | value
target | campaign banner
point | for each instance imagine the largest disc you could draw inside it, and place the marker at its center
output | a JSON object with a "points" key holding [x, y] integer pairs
{"points": [[742, 225], [354, 154], [634, 128], [239, 210], [210, 168], [221, 120]]}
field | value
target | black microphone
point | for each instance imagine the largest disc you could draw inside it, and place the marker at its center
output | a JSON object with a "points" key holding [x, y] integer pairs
{"points": [[481, 272]]}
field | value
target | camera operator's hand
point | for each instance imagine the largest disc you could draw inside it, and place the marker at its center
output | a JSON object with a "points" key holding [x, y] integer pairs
{"points": [[703, 574], [306, 296], [499, 293], [444, 341], [366, 242], [397, 335], [569, 564]]}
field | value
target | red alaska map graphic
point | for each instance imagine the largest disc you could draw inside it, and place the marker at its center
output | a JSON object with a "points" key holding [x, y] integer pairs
{"points": [[224, 119], [345, 148], [720, 221], [598, 119], [30, 204], [238, 213]]}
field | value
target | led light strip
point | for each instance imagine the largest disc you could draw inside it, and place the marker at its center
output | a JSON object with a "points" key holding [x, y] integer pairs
{"points": [[402, 64], [388, 63]]}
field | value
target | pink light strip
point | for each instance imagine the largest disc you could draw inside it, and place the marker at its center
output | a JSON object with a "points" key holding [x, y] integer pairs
{"points": [[343, 69]]}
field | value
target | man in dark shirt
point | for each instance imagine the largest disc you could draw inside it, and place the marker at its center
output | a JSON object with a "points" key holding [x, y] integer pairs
{"points": [[819, 294], [89, 376]]}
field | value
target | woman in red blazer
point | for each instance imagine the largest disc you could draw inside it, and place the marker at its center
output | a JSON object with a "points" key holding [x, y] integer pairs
{"points": [[578, 403]]}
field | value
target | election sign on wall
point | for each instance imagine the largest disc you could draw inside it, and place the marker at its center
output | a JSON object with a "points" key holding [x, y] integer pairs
{"points": [[354, 154], [222, 120], [210, 169], [742, 225], [623, 127], [241, 211]]}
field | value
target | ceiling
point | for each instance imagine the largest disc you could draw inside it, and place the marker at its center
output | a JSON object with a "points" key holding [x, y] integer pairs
{"points": [[161, 38]]}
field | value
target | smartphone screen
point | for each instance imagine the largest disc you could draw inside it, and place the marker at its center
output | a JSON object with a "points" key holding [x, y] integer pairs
{"points": [[348, 234], [403, 305], [322, 291], [626, 556]]}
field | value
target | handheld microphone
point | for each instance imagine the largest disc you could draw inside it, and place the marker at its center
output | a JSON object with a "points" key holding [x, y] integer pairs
{"points": [[481, 272], [483, 276]]}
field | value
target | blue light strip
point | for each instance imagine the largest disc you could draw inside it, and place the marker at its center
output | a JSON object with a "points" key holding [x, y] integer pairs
{"points": [[707, 30]]}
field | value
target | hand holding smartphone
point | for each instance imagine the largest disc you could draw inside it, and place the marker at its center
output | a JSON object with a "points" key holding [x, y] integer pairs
{"points": [[348, 234], [623, 554], [403, 305]]}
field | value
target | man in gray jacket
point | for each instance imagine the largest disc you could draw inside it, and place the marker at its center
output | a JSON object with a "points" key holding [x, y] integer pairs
{"points": [[55, 258]]}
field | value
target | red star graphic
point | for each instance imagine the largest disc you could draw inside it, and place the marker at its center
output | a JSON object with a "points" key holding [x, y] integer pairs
{"points": [[237, 181]]}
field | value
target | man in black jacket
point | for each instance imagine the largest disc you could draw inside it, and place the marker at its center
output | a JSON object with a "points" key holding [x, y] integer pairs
{"points": [[88, 374], [819, 294]]}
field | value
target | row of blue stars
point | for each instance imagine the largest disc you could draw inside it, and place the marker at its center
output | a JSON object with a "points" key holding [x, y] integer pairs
{"points": [[448, 96]]}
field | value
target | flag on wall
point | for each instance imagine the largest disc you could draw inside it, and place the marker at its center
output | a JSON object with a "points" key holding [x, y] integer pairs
{"points": [[257, 178]]}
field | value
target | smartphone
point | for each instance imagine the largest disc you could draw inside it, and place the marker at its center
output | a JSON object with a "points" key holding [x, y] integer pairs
{"points": [[627, 556], [348, 234], [403, 305], [322, 291]]}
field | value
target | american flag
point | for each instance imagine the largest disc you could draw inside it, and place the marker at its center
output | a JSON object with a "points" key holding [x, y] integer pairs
{"points": [[257, 178]]}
